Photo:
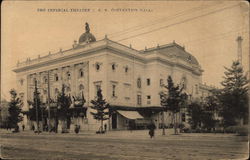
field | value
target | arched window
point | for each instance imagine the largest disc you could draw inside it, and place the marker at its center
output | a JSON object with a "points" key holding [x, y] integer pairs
{"points": [[81, 87], [45, 80], [139, 83], [68, 89], [97, 66], [56, 77]]}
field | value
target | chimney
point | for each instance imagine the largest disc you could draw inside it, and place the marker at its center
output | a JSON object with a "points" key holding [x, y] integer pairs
{"points": [[239, 53]]}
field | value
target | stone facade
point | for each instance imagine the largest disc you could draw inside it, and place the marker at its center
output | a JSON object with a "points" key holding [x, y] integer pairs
{"points": [[127, 77]]}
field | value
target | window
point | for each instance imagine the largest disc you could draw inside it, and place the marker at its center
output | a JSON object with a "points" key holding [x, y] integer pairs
{"points": [[45, 80], [183, 117], [81, 73], [56, 77], [97, 66], [81, 87], [68, 89], [196, 89], [161, 82], [56, 92], [139, 83], [34, 81], [113, 90], [45, 91], [97, 87], [113, 67], [126, 69], [148, 99], [21, 95], [139, 99], [148, 82]]}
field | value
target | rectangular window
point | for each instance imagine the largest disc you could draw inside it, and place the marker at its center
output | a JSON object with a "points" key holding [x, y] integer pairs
{"points": [[113, 90], [97, 88], [148, 99], [196, 89], [139, 99], [148, 82]]}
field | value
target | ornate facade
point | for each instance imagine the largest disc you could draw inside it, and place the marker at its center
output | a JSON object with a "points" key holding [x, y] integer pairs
{"points": [[130, 79]]}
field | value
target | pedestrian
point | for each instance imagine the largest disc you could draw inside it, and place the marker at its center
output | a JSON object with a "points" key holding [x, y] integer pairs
{"points": [[23, 126], [105, 127], [151, 128], [33, 127]]}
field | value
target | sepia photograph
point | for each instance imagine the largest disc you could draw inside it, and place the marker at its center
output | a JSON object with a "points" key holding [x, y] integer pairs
{"points": [[124, 80]]}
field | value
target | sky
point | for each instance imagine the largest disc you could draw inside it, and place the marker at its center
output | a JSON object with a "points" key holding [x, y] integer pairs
{"points": [[207, 29]]}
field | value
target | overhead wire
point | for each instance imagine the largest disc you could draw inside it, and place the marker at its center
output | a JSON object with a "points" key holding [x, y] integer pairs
{"points": [[180, 22], [135, 28]]}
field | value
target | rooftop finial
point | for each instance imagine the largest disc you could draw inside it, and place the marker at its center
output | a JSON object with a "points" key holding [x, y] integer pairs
{"points": [[87, 29]]}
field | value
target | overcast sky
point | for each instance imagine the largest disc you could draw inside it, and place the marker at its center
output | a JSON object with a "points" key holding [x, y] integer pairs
{"points": [[208, 30]]}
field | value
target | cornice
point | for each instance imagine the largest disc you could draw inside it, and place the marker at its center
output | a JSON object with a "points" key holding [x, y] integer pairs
{"points": [[104, 44]]}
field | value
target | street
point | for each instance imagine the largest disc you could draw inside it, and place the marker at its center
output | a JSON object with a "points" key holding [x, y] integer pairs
{"points": [[122, 145]]}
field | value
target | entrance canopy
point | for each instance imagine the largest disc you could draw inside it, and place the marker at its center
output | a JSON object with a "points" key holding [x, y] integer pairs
{"points": [[131, 114]]}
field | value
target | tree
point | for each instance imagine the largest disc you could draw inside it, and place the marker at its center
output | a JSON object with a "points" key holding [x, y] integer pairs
{"points": [[202, 114], [210, 109], [233, 97], [15, 106], [195, 112], [101, 107], [64, 102], [173, 100]]}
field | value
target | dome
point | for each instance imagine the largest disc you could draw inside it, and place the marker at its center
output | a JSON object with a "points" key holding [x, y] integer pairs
{"points": [[87, 36]]}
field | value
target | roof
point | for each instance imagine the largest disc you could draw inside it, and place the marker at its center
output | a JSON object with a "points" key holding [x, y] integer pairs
{"points": [[87, 37], [173, 49]]}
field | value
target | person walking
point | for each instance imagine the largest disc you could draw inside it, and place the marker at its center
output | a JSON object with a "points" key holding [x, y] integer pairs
{"points": [[151, 128]]}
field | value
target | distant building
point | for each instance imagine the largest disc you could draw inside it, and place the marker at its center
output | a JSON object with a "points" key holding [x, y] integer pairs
{"points": [[130, 79]]}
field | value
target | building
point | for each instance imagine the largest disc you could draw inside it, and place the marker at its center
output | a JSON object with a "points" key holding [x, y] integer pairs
{"points": [[130, 79]]}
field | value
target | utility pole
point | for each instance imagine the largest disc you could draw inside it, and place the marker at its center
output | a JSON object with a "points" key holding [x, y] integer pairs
{"points": [[36, 97], [163, 123], [48, 102]]}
